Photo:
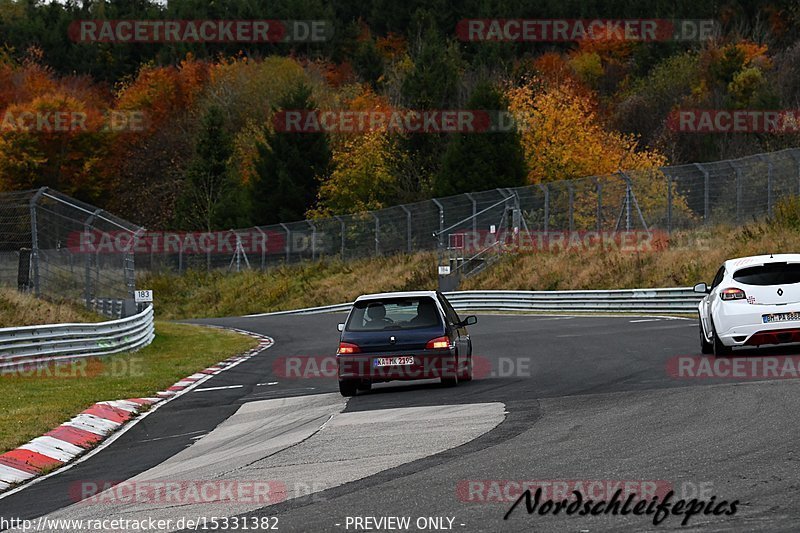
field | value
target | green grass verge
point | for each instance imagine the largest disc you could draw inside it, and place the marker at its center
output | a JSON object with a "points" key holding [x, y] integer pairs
{"points": [[34, 404]]}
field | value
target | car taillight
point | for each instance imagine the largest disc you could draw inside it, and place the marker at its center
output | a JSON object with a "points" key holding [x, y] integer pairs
{"points": [[346, 348], [439, 343], [733, 294]]}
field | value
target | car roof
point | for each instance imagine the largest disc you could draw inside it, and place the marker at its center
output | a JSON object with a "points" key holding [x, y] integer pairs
{"points": [[758, 260], [405, 294]]}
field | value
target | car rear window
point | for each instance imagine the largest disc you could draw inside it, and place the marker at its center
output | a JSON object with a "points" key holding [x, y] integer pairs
{"points": [[771, 274], [394, 314]]}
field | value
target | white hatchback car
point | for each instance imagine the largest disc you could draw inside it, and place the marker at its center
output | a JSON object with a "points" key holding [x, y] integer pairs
{"points": [[752, 301]]}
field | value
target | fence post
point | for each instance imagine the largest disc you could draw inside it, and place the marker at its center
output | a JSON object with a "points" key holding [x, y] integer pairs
{"points": [[599, 187], [699, 167], [441, 221], [313, 240], [797, 160], [627, 204], [769, 182], [342, 226], [288, 244], [35, 241], [408, 227], [129, 266], [474, 213], [571, 189], [263, 247], [377, 233], [87, 288], [180, 257], [738, 172], [546, 191], [669, 204]]}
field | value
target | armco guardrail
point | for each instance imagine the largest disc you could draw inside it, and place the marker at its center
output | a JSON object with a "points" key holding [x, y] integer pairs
{"points": [[41, 344], [661, 300], [667, 300]]}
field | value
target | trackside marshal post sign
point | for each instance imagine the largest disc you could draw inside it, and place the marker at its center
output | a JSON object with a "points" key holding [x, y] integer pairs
{"points": [[143, 296]]}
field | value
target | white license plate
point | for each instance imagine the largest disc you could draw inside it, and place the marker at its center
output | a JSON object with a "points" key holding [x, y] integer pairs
{"points": [[780, 317], [394, 361]]}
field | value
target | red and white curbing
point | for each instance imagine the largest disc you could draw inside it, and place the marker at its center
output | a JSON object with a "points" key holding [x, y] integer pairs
{"points": [[86, 430]]}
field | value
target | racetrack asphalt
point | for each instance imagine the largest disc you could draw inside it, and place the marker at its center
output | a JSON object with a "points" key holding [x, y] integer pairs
{"points": [[584, 398]]}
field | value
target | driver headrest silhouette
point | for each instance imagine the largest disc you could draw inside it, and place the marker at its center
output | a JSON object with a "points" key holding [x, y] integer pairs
{"points": [[427, 313], [376, 312]]}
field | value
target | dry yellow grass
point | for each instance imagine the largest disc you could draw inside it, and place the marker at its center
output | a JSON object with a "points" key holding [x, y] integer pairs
{"points": [[691, 257], [201, 294], [17, 309]]}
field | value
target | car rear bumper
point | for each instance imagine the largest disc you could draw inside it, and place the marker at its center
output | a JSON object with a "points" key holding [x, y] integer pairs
{"points": [[741, 324], [426, 366]]}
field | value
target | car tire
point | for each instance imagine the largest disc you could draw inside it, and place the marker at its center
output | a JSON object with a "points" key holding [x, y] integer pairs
{"points": [[466, 374], [450, 378], [720, 350], [348, 388], [705, 346], [364, 386]]}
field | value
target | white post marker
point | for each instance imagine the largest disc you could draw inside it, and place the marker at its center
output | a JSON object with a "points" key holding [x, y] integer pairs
{"points": [[143, 296]]}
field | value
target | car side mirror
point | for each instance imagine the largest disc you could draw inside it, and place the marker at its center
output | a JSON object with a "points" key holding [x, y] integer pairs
{"points": [[340, 327], [470, 320], [702, 288]]}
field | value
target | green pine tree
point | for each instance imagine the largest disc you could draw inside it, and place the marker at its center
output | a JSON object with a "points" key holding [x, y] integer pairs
{"points": [[482, 161], [288, 165], [212, 198]]}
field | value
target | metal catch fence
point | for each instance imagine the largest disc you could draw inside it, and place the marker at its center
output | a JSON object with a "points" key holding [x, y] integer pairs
{"points": [[44, 249]]}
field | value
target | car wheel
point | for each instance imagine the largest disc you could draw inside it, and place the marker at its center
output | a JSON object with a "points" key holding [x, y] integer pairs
{"points": [[720, 349], [364, 385], [705, 346], [450, 377], [466, 373], [348, 388]]}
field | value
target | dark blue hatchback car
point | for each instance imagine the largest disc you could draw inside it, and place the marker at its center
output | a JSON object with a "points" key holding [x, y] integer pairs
{"points": [[403, 336]]}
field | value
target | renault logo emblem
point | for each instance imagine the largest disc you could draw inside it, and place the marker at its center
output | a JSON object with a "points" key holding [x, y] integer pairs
{"points": [[780, 292]]}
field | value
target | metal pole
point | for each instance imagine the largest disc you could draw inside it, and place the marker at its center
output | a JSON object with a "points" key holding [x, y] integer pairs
{"points": [[180, 256], [288, 244], [35, 241], [313, 240], [705, 191], [669, 204], [474, 213], [130, 264], [571, 189], [263, 248], [738, 172], [238, 252], [408, 227], [769, 183], [796, 158], [599, 204], [627, 205], [546, 191], [441, 221], [377, 234], [87, 288], [342, 226]]}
